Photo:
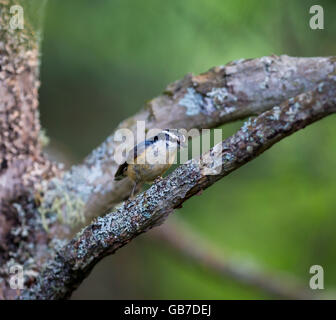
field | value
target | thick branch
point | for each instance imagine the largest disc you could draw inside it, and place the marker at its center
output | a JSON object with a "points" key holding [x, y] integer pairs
{"points": [[104, 236], [19, 83], [223, 94], [22, 164]]}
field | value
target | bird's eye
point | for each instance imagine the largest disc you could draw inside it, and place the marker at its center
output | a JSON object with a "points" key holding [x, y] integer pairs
{"points": [[156, 138]]}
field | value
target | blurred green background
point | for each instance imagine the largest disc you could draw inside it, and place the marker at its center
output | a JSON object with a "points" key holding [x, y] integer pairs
{"points": [[103, 59]]}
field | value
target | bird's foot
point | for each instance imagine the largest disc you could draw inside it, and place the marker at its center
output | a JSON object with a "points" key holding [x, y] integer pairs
{"points": [[158, 179]]}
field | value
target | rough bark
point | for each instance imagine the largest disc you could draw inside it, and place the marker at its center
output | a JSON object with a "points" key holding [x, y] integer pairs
{"points": [[22, 164], [224, 94], [19, 83], [107, 234], [34, 192]]}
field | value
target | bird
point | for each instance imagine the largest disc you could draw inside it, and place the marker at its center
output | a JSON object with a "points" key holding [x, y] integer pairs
{"points": [[151, 158]]}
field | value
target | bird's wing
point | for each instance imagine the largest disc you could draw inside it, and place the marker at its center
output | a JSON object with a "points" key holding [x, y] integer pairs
{"points": [[132, 155], [139, 149]]}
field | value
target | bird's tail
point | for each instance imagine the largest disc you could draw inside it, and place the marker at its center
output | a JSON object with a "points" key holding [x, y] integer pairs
{"points": [[120, 174]]}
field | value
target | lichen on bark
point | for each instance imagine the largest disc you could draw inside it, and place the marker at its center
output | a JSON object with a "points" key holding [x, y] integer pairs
{"points": [[22, 164]]}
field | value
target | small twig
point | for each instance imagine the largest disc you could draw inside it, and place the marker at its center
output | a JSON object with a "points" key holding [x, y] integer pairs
{"points": [[193, 247]]}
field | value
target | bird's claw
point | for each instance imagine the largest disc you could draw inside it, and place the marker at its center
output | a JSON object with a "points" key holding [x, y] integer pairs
{"points": [[158, 179]]}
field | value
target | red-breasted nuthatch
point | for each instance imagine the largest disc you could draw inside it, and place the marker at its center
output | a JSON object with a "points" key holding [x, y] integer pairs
{"points": [[151, 158]]}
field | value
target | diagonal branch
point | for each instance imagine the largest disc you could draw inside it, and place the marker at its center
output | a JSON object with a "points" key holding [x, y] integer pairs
{"points": [[190, 246], [73, 262], [182, 241], [223, 94]]}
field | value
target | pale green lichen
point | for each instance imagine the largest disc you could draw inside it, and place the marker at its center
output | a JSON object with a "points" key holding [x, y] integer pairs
{"points": [[216, 99], [223, 100], [276, 112], [59, 201], [67, 197], [192, 101], [43, 138]]}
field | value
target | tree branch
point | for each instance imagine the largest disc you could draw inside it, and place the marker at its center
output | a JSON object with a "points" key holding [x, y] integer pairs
{"points": [[191, 246], [223, 94], [105, 235], [22, 164], [19, 83], [32, 187]]}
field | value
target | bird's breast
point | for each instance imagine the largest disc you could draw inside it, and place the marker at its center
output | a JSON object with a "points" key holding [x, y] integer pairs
{"points": [[150, 164]]}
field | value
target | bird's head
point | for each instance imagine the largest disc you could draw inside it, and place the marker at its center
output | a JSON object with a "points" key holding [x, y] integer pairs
{"points": [[174, 137]]}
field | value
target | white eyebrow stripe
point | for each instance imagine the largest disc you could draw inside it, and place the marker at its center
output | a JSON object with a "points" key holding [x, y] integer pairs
{"points": [[172, 135]]}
